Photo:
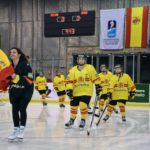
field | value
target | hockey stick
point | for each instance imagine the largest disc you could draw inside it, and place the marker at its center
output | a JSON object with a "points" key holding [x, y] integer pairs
{"points": [[94, 108], [100, 117]]}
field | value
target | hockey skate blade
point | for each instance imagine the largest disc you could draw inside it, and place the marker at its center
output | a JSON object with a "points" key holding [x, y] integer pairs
{"points": [[81, 129], [67, 127], [20, 139]]}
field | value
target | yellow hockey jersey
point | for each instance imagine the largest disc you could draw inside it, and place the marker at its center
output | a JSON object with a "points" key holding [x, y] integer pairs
{"points": [[81, 81], [59, 83], [121, 86], [41, 83], [105, 79]]}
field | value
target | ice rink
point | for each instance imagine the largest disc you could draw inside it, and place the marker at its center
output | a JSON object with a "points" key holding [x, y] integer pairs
{"points": [[45, 131]]}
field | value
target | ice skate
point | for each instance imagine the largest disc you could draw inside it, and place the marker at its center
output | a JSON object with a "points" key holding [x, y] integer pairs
{"points": [[69, 124], [82, 124], [116, 111], [98, 115], [106, 118], [123, 119], [44, 105], [89, 110], [62, 106]]}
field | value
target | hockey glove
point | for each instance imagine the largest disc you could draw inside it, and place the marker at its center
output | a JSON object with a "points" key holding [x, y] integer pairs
{"points": [[56, 89], [109, 95], [69, 93], [98, 89], [132, 94]]}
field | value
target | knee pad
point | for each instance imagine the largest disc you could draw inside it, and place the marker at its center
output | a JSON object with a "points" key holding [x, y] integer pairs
{"points": [[122, 107]]}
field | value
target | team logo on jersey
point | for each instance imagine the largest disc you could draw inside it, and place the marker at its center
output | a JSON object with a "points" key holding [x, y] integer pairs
{"points": [[87, 77], [111, 28], [80, 79], [120, 85], [106, 81]]}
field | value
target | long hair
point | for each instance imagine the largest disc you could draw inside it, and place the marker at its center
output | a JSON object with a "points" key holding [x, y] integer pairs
{"points": [[22, 55]]}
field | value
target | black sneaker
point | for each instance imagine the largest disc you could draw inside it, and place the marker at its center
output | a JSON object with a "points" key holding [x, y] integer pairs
{"points": [[116, 111], [106, 118], [70, 123], [123, 119], [82, 124]]}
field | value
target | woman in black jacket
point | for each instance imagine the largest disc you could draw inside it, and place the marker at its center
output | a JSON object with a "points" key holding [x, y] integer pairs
{"points": [[20, 91]]}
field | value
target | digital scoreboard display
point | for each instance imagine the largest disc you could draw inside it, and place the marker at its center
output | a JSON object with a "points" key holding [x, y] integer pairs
{"points": [[69, 24]]}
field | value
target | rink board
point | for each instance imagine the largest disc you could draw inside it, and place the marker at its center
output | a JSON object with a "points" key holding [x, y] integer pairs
{"points": [[142, 95]]}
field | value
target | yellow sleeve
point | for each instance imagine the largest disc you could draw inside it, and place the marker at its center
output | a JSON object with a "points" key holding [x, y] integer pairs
{"points": [[95, 76], [131, 85], [70, 79], [36, 82], [55, 82], [63, 77], [111, 85], [44, 81]]}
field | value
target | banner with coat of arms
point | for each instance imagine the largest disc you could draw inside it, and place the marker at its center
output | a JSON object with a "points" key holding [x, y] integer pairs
{"points": [[136, 27]]}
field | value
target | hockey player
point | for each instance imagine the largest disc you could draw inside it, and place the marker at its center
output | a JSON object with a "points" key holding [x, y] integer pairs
{"points": [[59, 86], [120, 85], [105, 77], [80, 81], [20, 91], [41, 87]]}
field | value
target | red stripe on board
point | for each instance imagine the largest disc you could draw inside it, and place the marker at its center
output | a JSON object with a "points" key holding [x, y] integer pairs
{"points": [[144, 27], [128, 27]]}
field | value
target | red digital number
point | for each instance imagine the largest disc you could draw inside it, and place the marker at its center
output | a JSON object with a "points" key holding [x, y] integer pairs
{"points": [[60, 19], [68, 31], [76, 18]]}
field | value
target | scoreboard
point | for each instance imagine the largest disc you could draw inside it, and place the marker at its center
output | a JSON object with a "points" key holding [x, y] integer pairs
{"points": [[69, 24]]}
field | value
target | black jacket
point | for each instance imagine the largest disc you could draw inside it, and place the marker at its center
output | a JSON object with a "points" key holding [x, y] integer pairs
{"points": [[25, 85]]}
